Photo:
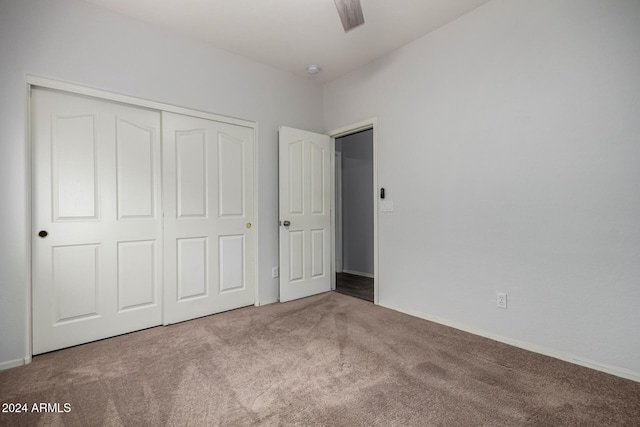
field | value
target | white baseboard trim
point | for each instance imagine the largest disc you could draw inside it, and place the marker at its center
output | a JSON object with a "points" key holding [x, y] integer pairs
{"points": [[267, 302], [358, 273], [613, 370], [14, 363]]}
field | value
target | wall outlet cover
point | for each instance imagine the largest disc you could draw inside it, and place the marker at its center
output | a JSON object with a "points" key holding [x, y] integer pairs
{"points": [[502, 300]]}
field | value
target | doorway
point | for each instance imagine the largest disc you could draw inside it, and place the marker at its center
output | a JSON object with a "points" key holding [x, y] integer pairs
{"points": [[355, 208], [304, 258]]}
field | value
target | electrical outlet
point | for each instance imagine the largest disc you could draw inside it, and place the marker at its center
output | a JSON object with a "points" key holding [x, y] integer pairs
{"points": [[274, 272], [502, 300]]}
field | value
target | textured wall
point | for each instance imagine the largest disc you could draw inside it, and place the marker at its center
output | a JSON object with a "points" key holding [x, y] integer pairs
{"points": [[77, 42], [509, 141]]}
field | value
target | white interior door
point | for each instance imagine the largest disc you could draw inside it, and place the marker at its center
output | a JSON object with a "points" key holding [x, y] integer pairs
{"points": [[305, 215], [209, 238], [96, 219]]}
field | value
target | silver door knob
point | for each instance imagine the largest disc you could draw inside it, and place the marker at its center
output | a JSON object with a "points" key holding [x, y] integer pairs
{"points": [[286, 223]]}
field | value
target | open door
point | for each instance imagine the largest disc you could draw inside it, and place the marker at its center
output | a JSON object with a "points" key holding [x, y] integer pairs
{"points": [[305, 213]]}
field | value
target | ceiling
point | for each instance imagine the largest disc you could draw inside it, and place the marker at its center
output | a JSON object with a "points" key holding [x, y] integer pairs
{"points": [[293, 34]]}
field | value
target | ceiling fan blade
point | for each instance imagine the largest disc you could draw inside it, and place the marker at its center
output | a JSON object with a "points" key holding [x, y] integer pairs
{"points": [[350, 12]]}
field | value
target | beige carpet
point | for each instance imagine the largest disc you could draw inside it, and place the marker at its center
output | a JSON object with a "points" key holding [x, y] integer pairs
{"points": [[329, 360]]}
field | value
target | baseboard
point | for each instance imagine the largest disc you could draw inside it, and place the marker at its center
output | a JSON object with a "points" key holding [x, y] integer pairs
{"points": [[577, 360], [267, 302], [358, 273], [14, 363]]}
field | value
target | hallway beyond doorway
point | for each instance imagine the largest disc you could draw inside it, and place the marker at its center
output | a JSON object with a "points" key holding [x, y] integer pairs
{"points": [[355, 286]]}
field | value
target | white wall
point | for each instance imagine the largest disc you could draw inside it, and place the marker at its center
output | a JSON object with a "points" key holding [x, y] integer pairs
{"points": [[509, 142], [357, 202], [77, 42]]}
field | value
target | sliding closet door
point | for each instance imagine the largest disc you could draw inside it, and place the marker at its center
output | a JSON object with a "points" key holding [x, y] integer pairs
{"points": [[97, 221], [209, 241]]}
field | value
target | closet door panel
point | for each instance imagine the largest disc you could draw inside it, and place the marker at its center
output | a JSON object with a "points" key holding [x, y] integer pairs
{"points": [[209, 239], [95, 249]]}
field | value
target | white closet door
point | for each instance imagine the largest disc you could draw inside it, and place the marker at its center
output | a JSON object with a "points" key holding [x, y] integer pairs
{"points": [[96, 219], [209, 242]]}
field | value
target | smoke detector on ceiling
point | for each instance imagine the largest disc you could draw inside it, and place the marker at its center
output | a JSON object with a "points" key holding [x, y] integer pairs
{"points": [[313, 69]]}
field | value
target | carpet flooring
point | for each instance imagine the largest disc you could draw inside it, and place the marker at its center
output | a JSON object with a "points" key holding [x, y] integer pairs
{"points": [[327, 360]]}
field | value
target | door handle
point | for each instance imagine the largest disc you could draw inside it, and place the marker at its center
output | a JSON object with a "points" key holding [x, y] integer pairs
{"points": [[286, 223], [43, 233]]}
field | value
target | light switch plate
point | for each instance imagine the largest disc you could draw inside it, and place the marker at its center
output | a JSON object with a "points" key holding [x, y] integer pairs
{"points": [[386, 206]]}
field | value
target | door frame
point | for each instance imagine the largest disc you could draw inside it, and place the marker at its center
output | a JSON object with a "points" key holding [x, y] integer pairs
{"points": [[36, 81], [338, 212], [372, 124]]}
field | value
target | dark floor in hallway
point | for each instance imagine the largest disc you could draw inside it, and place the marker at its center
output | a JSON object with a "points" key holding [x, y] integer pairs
{"points": [[355, 286]]}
